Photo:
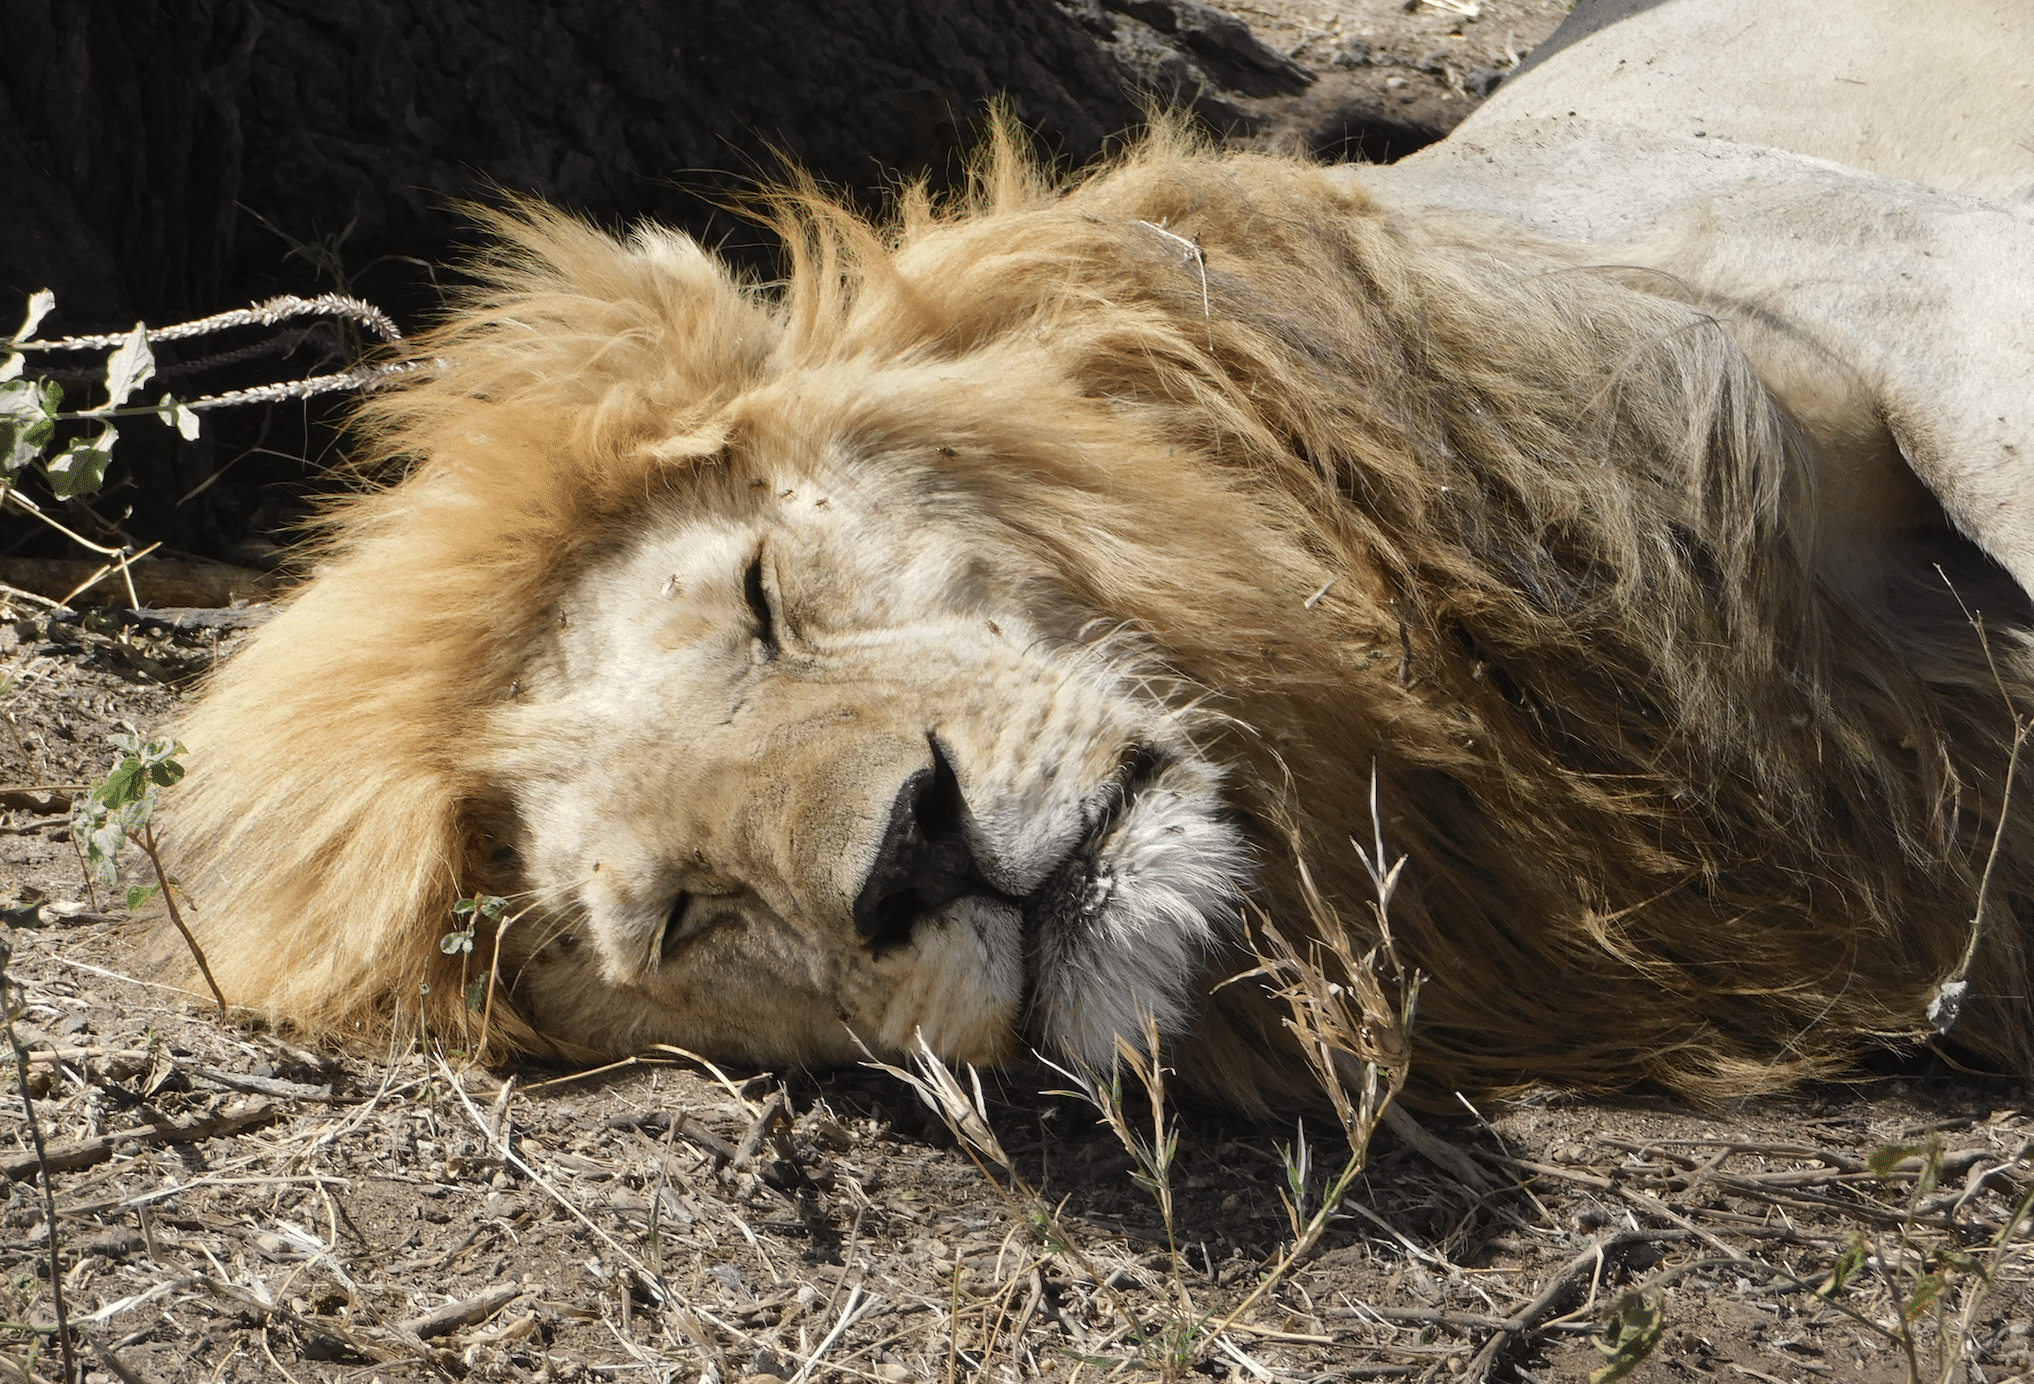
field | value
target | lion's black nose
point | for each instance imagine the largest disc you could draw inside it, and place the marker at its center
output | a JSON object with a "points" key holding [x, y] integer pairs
{"points": [[924, 863]]}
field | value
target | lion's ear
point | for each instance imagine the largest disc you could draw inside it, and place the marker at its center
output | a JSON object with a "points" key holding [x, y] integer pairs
{"points": [[691, 444], [678, 255]]}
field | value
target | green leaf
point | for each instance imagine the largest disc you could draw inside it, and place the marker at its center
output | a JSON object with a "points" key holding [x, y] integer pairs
{"points": [[1847, 1264], [102, 852], [1884, 1160], [133, 816], [121, 740], [1926, 1290], [166, 772], [129, 367], [21, 399], [453, 943], [122, 786], [179, 416], [492, 906], [22, 441], [27, 421], [476, 996], [1629, 1334], [80, 469], [141, 894], [40, 304], [107, 839]]}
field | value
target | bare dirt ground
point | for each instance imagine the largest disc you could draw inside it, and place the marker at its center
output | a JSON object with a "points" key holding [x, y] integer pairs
{"points": [[231, 1205], [1420, 66]]}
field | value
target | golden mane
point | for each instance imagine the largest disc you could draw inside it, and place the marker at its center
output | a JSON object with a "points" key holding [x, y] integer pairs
{"points": [[1677, 809]]}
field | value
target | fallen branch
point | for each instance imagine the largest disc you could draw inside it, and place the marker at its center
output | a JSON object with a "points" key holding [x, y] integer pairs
{"points": [[87, 1152], [454, 1315], [1557, 1291]]}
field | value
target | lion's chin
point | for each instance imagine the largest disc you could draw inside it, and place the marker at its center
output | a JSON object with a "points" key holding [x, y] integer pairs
{"points": [[964, 990]]}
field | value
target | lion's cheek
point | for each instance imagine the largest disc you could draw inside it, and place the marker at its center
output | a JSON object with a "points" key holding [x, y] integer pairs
{"points": [[751, 992], [960, 981]]}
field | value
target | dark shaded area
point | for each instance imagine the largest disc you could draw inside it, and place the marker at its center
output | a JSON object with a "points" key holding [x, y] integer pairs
{"points": [[1357, 134], [166, 156], [165, 159]]}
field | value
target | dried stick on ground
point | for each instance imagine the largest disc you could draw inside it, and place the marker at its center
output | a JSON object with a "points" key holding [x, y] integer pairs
{"points": [[56, 1277]]}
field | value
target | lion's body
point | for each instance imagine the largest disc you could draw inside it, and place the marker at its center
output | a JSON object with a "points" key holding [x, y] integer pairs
{"points": [[971, 638]]}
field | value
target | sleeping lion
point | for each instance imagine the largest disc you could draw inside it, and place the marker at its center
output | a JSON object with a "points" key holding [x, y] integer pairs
{"points": [[977, 631]]}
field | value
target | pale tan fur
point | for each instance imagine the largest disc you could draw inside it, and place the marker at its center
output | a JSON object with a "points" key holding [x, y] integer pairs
{"points": [[1678, 806]]}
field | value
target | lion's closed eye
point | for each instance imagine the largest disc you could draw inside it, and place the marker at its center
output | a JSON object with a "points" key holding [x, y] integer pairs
{"points": [[691, 918], [764, 648]]}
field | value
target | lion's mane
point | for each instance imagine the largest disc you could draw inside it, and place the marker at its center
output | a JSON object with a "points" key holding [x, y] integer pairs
{"points": [[1676, 808]]}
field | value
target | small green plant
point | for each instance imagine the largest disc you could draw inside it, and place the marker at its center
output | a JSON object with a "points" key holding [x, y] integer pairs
{"points": [[459, 941], [478, 990], [1631, 1330], [33, 417], [1298, 1160], [1923, 1277], [122, 808]]}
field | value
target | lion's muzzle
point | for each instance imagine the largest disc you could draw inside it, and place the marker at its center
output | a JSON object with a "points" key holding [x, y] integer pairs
{"points": [[924, 863]]}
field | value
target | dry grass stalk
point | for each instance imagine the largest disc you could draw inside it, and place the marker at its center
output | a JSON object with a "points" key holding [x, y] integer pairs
{"points": [[1351, 1029], [964, 1113], [1152, 1158]]}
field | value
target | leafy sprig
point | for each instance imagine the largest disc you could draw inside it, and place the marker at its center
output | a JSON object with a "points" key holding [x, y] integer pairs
{"points": [[121, 809], [33, 417], [31, 409]]}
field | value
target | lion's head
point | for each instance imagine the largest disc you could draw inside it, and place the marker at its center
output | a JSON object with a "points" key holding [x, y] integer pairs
{"points": [[834, 741], [974, 634]]}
